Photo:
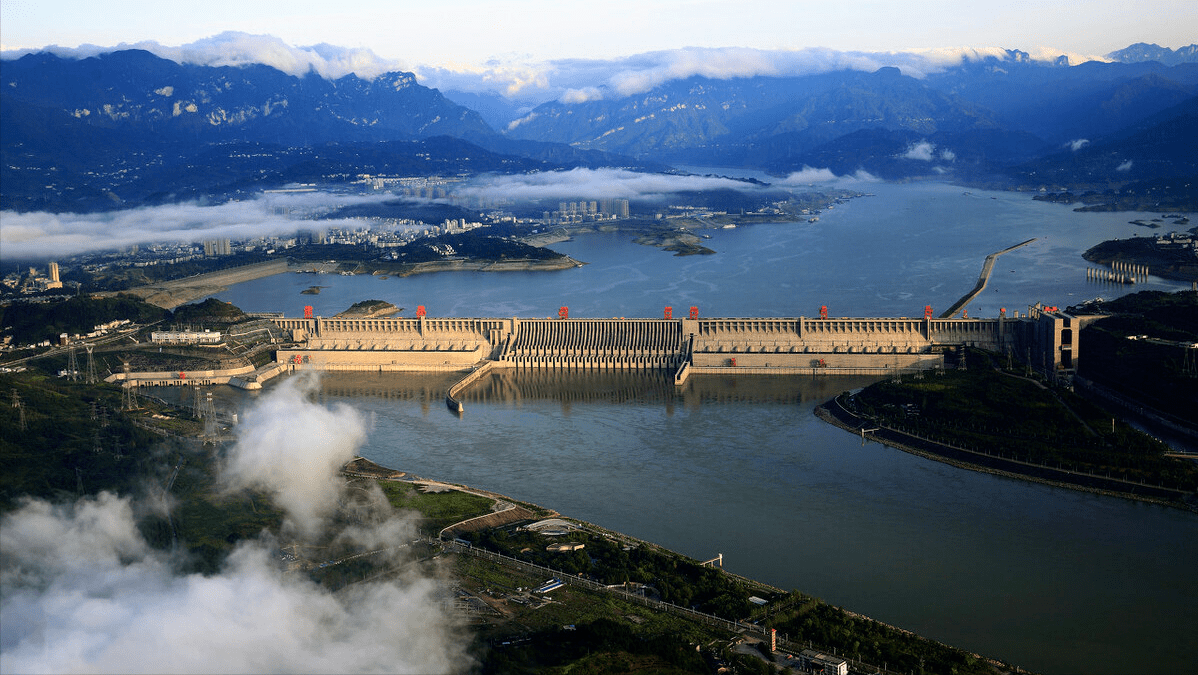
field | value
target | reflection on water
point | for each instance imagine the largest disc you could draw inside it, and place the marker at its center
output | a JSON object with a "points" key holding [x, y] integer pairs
{"points": [[511, 386]]}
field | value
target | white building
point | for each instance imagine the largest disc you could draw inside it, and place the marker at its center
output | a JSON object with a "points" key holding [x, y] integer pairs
{"points": [[186, 337], [819, 662]]}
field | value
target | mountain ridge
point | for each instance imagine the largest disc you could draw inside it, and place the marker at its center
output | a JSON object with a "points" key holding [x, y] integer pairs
{"points": [[126, 126]]}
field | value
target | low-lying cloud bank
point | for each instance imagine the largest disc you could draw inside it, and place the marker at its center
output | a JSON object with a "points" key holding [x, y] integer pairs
{"points": [[39, 234], [233, 48], [578, 80], [593, 184], [570, 80], [809, 176], [82, 591]]}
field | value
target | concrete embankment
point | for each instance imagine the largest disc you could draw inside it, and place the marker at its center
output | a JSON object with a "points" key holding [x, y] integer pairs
{"points": [[244, 377], [452, 399]]}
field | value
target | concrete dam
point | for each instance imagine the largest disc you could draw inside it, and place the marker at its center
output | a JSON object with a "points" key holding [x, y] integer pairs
{"points": [[680, 346]]}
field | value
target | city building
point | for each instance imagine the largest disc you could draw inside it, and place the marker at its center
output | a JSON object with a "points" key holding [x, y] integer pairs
{"points": [[217, 247]]}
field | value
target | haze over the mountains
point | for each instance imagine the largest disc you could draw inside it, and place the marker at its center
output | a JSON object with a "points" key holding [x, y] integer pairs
{"points": [[83, 122], [526, 83]]}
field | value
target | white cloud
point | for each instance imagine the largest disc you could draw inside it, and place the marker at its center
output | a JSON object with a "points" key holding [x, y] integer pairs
{"points": [[922, 150], [293, 450], [582, 95], [808, 176], [530, 81], [1124, 167], [948, 155], [640, 73], [238, 49], [1078, 144], [523, 120], [593, 184], [82, 591], [40, 234], [811, 176]]}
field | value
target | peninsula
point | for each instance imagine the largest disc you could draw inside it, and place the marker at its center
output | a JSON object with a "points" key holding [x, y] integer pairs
{"points": [[1172, 256]]}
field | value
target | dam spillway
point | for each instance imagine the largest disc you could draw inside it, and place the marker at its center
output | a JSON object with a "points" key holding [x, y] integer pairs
{"points": [[596, 344], [680, 346]]}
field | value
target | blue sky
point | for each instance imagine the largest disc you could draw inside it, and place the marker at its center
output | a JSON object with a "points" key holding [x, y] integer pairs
{"points": [[464, 34]]}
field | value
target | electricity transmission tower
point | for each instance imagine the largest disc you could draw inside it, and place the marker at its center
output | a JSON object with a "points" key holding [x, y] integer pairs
{"points": [[72, 364], [206, 411], [20, 406], [129, 398], [91, 365]]}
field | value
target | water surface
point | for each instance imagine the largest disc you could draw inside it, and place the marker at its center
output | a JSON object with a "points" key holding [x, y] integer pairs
{"points": [[1050, 579]]}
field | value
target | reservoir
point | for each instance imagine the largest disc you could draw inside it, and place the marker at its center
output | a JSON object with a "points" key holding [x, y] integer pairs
{"points": [[1049, 579]]}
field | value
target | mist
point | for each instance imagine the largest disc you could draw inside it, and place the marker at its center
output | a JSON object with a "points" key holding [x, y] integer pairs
{"points": [[82, 591], [809, 176], [922, 150], [580, 80], [593, 184], [532, 82], [233, 48], [43, 235], [293, 449]]}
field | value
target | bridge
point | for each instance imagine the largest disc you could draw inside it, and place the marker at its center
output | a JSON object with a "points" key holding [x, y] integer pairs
{"points": [[683, 346]]}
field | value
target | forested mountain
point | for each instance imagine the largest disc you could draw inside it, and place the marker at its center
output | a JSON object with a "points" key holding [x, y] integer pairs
{"points": [[128, 127]]}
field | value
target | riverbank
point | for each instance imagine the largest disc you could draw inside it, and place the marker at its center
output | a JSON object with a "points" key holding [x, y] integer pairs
{"points": [[1170, 256], [738, 608], [565, 262], [834, 413], [171, 294]]}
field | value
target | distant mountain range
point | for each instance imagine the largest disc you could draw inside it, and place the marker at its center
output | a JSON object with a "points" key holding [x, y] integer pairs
{"points": [[128, 127]]}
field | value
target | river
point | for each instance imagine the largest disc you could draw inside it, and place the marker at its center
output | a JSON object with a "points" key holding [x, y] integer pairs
{"points": [[1050, 579]]}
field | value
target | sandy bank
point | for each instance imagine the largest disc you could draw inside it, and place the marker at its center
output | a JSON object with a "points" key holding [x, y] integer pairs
{"points": [[171, 294]]}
